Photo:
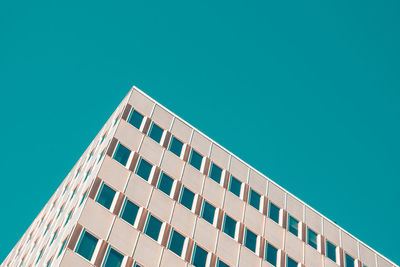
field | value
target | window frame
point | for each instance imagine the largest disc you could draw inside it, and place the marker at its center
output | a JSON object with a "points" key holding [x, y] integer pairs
{"points": [[290, 217], [309, 241], [103, 264], [92, 257]]}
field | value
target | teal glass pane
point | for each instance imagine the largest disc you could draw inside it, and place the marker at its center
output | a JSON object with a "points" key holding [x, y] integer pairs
{"points": [[221, 263], [195, 159], [83, 198], [330, 251], [311, 238], [129, 212], [40, 255], [106, 196], [49, 262], [114, 259], [175, 146], [144, 169], [199, 258], [207, 212], [234, 186], [270, 253], [153, 227], [254, 199], [186, 198], [215, 172], [229, 226], [291, 262], [86, 245], [121, 154], [293, 225], [87, 175], [135, 118], [54, 237], [273, 212], [62, 247], [68, 217], [348, 260], [250, 240], [156, 132], [59, 212], [165, 183], [101, 157], [176, 242]]}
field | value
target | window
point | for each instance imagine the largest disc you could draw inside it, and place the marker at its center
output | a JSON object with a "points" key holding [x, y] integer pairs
{"points": [[54, 236], [165, 183], [102, 138], [86, 245], [129, 212], [68, 217], [73, 193], [47, 228], [220, 263], [273, 212], [175, 146], [144, 169], [312, 238], [83, 197], [49, 262], [271, 253], [235, 186], [195, 159], [330, 251], [62, 247], [113, 258], [116, 120], [87, 174], [250, 240], [77, 172], [208, 212], [254, 199], [293, 225], [199, 257], [105, 196], [135, 118], [101, 156], [40, 255], [176, 242], [229, 226], [291, 262], [90, 155], [156, 132], [348, 260], [121, 154], [61, 209], [153, 227], [215, 172], [186, 198]]}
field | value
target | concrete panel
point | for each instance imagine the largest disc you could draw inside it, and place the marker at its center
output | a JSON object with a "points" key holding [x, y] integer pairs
{"points": [[172, 165], [228, 249], [138, 190], [294, 247], [162, 117], [141, 103], [239, 169], [313, 220], [220, 156], [367, 257], [383, 263], [201, 144], [147, 252], [274, 233], [253, 219], [151, 151], [114, 173], [329, 263], [331, 232], [234, 206], [170, 259], [258, 182], [123, 236], [72, 259], [128, 135], [213, 192], [295, 208], [349, 245], [248, 258], [267, 264], [181, 130], [183, 220], [193, 179], [276, 195], [206, 235], [312, 257], [161, 205]]}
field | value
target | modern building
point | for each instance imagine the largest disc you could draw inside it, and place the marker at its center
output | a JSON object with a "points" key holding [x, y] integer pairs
{"points": [[152, 190]]}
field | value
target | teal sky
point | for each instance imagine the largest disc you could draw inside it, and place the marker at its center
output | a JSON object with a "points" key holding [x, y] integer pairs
{"points": [[307, 92]]}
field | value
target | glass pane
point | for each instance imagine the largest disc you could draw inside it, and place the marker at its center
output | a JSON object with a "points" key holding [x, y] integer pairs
{"points": [[144, 169], [129, 212], [235, 186], [250, 240], [195, 159], [114, 259], [187, 197], [86, 245], [271, 253], [207, 212], [254, 199], [221, 264], [293, 225], [348, 260], [176, 242], [62, 247], [274, 212], [165, 183], [229, 226], [121, 154], [175, 146], [135, 118], [153, 227], [215, 172], [156, 132], [106, 196], [330, 251], [291, 262], [199, 258], [312, 238]]}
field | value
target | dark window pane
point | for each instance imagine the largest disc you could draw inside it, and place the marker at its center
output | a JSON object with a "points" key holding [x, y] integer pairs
{"points": [[199, 258], [291, 262], [254, 199], [121, 154], [348, 260], [106, 196], [135, 119], [208, 212], [270, 253], [330, 251], [129, 212], [293, 225], [273, 212], [229, 226], [187, 197], [221, 264], [144, 169], [175, 146], [195, 159], [153, 227], [86, 245], [165, 183], [312, 238], [114, 259], [250, 240], [215, 172], [176, 242], [235, 185], [156, 132]]}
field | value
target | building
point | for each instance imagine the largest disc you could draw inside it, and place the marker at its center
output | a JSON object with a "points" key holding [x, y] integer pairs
{"points": [[151, 190]]}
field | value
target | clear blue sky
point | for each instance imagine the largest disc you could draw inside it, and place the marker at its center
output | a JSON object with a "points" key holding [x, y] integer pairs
{"points": [[308, 92]]}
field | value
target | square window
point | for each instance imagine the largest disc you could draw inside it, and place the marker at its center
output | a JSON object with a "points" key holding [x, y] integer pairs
{"points": [[250, 240], [291, 262], [330, 251], [195, 159], [220, 263], [274, 212], [144, 169], [235, 186], [153, 227], [229, 226], [86, 245], [121, 154], [348, 260], [105, 196], [312, 238], [215, 172], [176, 242], [175, 146], [271, 253], [156, 132], [113, 258], [208, 212], [165, 183], [186, 198], [135, 118], [199, 257], [293, 225], [129, 212], [254, 199]]}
